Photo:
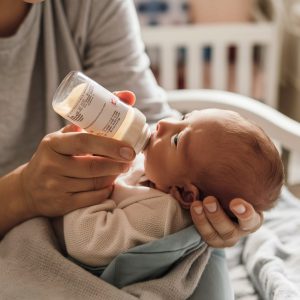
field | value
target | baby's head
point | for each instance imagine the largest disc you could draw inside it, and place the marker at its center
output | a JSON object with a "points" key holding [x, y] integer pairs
{"points": [[214, 152]]}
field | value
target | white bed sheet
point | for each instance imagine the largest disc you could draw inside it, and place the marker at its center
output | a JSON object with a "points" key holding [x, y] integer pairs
{"points": [[266, 265]]}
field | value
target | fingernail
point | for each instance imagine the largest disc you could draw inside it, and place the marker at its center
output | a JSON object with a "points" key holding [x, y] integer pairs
{"points": [[240, 208], [198, 210], [126, 153], [211, 207]]}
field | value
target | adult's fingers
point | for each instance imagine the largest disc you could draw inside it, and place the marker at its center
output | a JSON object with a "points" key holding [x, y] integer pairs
{"points": [[79, 143], [84, 199], [213, 224], [126, 96], [75, 185], [203, 226], [220, 221], [249, 220], [71, 128], [92, 166]]}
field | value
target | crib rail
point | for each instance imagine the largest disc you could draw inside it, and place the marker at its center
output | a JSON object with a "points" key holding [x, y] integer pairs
{"points": [[278, 126], [243, 36]]}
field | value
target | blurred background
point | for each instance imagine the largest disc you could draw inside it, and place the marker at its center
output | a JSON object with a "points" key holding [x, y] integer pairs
{"points": [[251, 47]]}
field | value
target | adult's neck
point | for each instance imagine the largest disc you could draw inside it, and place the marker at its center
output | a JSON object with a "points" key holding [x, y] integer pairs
{"points": [[12, 14]]}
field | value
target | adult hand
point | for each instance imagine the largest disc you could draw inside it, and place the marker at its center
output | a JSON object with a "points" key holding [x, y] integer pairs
{"points": [[73, 169], [70, 169], [216, 228], [126, 96]]}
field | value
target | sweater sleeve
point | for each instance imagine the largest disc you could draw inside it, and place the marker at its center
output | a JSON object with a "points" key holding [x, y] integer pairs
{"points": [[114, 56], [95, 235]]}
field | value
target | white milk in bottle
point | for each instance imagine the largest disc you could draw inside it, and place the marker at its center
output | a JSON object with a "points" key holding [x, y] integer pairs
{"points": [[87, 104]]}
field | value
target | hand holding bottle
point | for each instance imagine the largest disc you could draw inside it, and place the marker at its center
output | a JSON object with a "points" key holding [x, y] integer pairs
{"points": [[73, 169], [70, 169]]}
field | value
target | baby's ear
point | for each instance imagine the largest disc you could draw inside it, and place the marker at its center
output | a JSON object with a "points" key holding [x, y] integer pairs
{"points": [[185, 195]]}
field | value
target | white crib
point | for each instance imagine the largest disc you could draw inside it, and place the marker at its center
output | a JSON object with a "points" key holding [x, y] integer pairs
{"points": [[282, 129], [219, 37], [268, 250]]}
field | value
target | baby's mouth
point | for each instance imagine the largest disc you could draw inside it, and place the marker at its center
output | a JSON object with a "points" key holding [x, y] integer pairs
{"points": [[148, 142]]}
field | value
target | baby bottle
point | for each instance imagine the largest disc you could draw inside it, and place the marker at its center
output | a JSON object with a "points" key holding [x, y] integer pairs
{"points": [[84, 102]]}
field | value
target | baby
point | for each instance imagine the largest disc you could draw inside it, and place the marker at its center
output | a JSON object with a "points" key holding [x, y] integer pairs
{"points": [[214, 152], [208, 152]]}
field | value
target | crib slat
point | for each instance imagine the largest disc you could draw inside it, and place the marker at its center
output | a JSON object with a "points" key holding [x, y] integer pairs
{"points": [[194, 63], [271, 70], [243, 35], [244, 68], [168, 64], [219, 66]]}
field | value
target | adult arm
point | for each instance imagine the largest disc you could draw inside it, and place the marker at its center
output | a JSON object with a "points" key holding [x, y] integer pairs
{"points": [[64, 174], [13, 207]]}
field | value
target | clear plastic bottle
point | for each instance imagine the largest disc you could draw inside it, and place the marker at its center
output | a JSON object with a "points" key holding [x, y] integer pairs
{"points": [[87, 104]]}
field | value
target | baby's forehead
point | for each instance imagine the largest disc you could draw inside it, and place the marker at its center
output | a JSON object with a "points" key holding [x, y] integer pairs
{"points": [[223, 146], [222, 128], [211, 117]]}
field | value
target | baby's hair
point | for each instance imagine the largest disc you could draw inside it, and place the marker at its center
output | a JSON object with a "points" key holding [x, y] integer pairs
{"points": [[246, 165]]}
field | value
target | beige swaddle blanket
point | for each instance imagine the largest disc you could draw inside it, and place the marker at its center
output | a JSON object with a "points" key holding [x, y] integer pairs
{"points": [[32, 267]]}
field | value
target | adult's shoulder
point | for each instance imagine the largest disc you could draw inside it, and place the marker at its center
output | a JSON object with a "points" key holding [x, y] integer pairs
{"points": [[91, 10], [91, 20]]}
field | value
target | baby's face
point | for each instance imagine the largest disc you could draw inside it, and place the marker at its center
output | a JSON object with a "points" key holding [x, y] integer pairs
{"points": [[178, 148]]}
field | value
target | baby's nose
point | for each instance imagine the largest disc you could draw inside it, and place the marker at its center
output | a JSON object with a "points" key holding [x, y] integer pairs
{"points": [[166, 125]]}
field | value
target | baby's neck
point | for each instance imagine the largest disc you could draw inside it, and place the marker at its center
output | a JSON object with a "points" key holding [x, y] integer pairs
{"points": [[148, 183]]}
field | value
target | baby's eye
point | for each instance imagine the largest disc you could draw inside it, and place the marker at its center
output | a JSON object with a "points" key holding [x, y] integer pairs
{"points": [[174, 139]]}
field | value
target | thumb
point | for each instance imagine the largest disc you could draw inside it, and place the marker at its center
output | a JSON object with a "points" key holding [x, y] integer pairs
{"points": [[249, 219], [71, 128], [126, 96]]}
